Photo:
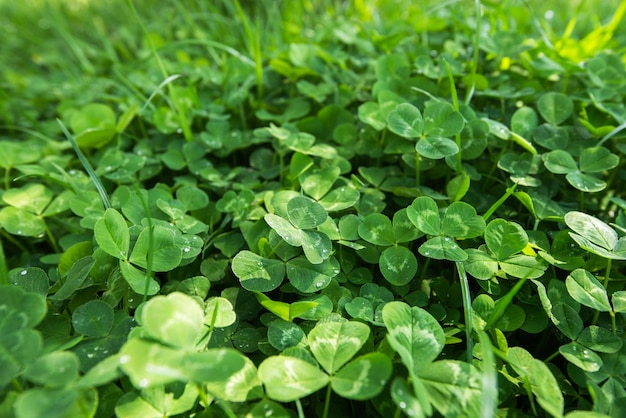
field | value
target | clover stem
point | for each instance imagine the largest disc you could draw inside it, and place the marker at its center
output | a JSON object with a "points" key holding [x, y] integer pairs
{"points": [[150, 254], [299, 408], [52, 240], [4, 272], [467, 310], [499, 202], [417, 169], [327, 401]]}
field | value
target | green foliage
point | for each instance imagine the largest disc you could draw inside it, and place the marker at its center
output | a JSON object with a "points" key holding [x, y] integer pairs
{"points": [[314, 208]]}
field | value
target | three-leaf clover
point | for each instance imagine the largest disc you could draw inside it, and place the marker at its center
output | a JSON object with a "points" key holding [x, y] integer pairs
{"points": [[582, 175], [433, 129], [459, 221]]}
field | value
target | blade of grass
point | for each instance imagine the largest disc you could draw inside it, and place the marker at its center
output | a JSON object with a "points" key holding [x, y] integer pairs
{"points": [[90, 171], [489, 393], [4, 272]]}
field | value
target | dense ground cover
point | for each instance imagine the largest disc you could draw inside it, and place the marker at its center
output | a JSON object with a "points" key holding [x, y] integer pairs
{"points": [[312, 208]]}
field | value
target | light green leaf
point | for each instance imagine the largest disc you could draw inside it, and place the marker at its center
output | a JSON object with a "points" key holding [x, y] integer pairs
{"points": [[341, 198], [54, 369], [305, 213], [21, 222], [582, 357], [424, 214], [292, 235], [398, 265], [442, 248], [592, 229], [138, 279], [376, 228], [585, 182], [436, 148], [317, 246], [524, 266], [287, 379], [166, 255], [440, 119], [257, 273], [111, 233], [176, 319], [309, 278], [504, 238], [566, 320], [283, 334], [406, 121], [150, 364], [480, 264], [587, 290], [559, 162], [453, 387], [600, 339], [461, 221], [32, 197], [413, 333], [239, 384], [363, 378], [597, 160], [219, 312], [335, 343], [285, 310], [555, 107], [316, 183]]}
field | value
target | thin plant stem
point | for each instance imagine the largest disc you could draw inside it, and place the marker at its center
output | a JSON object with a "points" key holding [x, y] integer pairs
{"points": [[467, 309], [499, 202], [455, 103], [327, 401], [150, 254], [4, 271], [476, 44]]}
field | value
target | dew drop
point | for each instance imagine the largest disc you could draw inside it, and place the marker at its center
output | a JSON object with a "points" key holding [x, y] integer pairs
{"points": [[108, 168], [24, 272], [426, 253], [143, 383], [402, 405], [124, 359], [319, 284], [186, 249], [123, 254], [179, 131], [448, 239], [90, 355]]}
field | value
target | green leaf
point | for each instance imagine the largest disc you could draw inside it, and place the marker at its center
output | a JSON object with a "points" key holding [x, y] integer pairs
{"points": [[283, 334], [334, 343], [305, 213], [582, 357], [166, 255], [566, 320], [597, 160], [461, 221], [406, 121], [585, 182], [176, 319], [215, 365], [32, 197], [93, 115], [504, 238], [560, 162], [405, 399], [398, 265], [442, 248], [219, 312], [20, 309], [441, 120], [239, 384], [287, 379], [111, 233], [56, 403], [137, 279], [413, 333], [292, 235], [309, 278], [284, 310], [317, 246], [480, 264], [403, 228], [53, 369], [93, 319], [542, 382], [587, 290], [21, 222], [149, 364], [157, 402], [453, 387], [436, 148], [600, 339], [424, 214], [555, 107], [364, 377], [376, 228], [341, 198], [257, 273], [316, 183], [619, 301], [524, 266]]}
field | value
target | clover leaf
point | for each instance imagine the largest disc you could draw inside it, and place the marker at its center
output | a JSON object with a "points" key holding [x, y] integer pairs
{"points": [[433, 129], [459, 221], [582, 175]]}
